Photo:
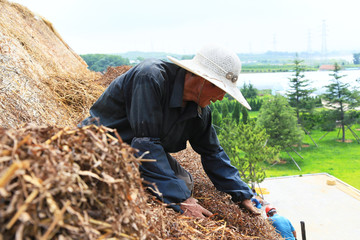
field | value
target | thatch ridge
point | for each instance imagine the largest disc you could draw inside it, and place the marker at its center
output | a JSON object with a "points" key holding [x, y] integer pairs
{"points": [[39, 71]]}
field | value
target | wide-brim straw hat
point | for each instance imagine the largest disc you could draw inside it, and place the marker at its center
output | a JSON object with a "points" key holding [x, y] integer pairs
{"points": [[219, 66]]}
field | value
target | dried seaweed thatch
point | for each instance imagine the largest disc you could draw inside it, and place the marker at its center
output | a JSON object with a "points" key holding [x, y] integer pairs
{"points": [[58, 183], [69, 184], [39, 71], [112, 73]]}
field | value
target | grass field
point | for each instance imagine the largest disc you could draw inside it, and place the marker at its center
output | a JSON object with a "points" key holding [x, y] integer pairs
{"points": [[258, 68], [339, 159]]}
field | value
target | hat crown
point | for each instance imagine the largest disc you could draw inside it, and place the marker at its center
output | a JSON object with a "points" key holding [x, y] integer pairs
{"points": [[218, 66], [219, 61]]}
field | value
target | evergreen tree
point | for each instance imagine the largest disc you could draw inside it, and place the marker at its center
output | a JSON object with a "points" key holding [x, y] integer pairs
{"points": [[246, 147], [259, 103], [279, 120], [299, 92], [245, 115], [340, 98], [356, 58], [236, 113], [216, 119], [224, 109], [231, 105], [217, 105], [248, 91]]}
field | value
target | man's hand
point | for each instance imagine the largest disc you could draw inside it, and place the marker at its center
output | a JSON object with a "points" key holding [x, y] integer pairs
{"points": [[192, 209], [247, 204]]}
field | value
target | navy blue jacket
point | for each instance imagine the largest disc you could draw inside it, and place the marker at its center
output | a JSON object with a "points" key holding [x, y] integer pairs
{"points": [[145, 105]]}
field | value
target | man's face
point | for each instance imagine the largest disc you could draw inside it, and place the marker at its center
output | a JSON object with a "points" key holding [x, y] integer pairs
{"points": [[210, 93], [201, 91]]}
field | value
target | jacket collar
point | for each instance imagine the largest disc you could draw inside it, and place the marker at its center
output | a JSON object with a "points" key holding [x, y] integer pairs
{"points": [[191, 109]]}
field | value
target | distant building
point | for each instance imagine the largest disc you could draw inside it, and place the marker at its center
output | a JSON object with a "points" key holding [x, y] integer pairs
{"points": [[334, 106], [327, 68]]}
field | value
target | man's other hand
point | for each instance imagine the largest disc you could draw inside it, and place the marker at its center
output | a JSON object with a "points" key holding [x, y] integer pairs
{"points": [[192, 209], [247, 204]]}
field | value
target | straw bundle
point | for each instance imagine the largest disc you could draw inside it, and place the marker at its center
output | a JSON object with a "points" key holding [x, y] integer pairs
{"points": [[112, 73], [57, 183]]}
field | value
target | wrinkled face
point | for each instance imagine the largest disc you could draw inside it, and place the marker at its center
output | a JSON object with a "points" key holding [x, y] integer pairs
{"points": [[201, 91], [210, 93]]}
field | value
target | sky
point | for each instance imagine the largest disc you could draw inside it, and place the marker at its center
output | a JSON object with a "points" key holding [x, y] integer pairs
{"points": [[183, 27]]}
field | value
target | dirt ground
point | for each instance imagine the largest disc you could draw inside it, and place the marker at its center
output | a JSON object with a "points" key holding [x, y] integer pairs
{"points": [[329, 207]]}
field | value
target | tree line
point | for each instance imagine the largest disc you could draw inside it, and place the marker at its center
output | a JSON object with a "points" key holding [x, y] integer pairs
{"points": [[100, 62]]}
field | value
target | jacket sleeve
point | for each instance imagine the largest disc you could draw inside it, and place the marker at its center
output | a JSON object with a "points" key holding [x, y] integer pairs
{"points": [[216, 163], [224, 176], [171, 190], [145, 117]]}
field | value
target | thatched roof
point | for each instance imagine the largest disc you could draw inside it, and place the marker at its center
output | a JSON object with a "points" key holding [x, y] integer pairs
{"points": [[40, 72]]}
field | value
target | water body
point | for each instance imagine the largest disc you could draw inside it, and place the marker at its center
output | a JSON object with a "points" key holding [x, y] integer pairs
{"points": [[279, 82]]}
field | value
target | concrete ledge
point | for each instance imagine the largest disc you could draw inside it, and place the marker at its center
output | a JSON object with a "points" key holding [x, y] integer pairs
{"points": [[343, 186], [329, 211]]}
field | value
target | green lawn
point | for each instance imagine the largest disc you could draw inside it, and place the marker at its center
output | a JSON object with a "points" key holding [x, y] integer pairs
{"points": [[341, 160]]}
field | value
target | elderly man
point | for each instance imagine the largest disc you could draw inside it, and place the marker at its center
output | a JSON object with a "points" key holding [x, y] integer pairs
{"points": [[158, 106]]}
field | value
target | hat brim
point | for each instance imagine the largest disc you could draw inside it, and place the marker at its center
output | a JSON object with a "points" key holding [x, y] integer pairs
{"points": [[221, 82]]}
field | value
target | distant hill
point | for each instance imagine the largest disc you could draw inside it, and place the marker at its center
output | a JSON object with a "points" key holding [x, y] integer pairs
{"points": [[136, 55], [246, 58]]}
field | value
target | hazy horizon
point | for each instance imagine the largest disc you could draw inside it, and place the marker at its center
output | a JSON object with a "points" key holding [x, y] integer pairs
{"points": [[117, 26]]}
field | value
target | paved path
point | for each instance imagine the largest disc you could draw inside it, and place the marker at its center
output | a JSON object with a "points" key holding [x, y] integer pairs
{"points": [[330, 212]]}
